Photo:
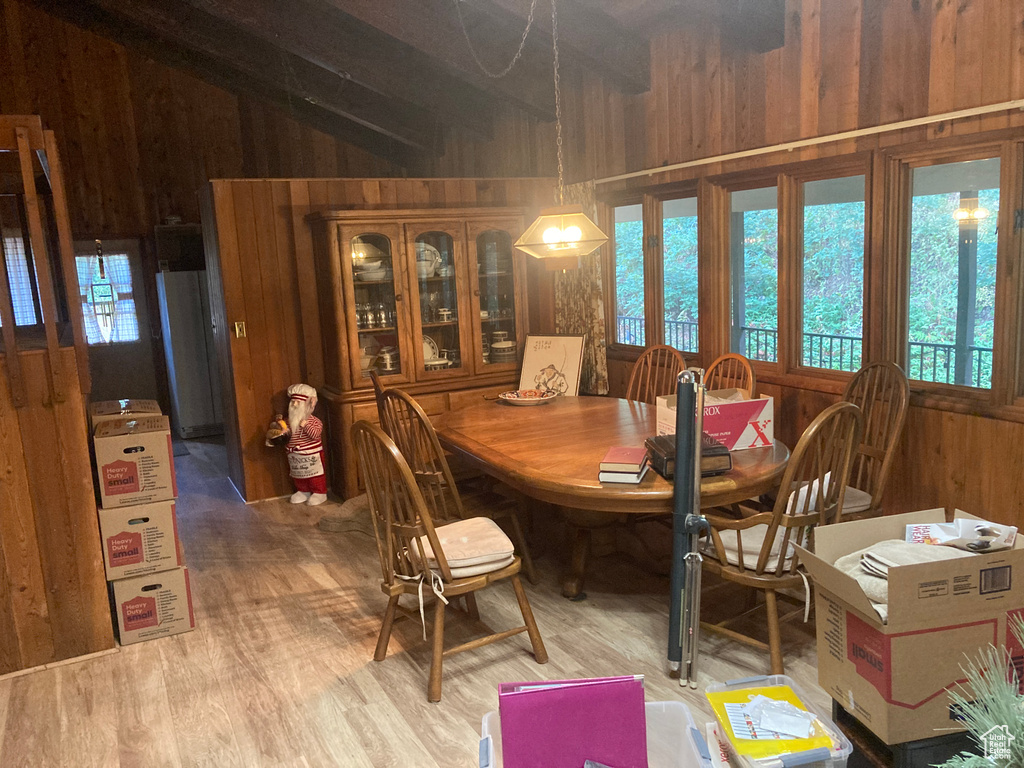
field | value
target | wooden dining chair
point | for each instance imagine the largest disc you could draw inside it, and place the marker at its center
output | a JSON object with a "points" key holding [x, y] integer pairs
{"points": [[757, 551], [882, 392], [419, 554], [378, 391], [654, 373], [408, 425], [731, 371]]}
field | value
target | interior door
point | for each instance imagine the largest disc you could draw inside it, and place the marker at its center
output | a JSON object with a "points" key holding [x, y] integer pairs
{"points": [[117, 323]]}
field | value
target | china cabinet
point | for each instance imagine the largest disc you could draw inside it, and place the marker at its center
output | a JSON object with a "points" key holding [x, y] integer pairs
{"points": [[432, 299]]}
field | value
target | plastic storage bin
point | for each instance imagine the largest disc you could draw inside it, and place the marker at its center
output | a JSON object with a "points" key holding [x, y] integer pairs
{"points": [[673, 740], [815, 758]]}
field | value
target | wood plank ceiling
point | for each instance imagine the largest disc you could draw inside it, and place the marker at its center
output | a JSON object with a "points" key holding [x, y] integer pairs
{"points": [[390, 77]]}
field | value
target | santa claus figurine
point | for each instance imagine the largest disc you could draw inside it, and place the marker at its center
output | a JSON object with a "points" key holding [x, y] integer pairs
{"points": [[305, 448]]}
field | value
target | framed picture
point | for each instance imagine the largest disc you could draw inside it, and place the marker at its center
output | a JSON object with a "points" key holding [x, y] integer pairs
{"points": [[552, 364]]}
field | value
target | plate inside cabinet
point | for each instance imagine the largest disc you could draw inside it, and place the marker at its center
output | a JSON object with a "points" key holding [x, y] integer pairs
{"points": [[430, 350]]}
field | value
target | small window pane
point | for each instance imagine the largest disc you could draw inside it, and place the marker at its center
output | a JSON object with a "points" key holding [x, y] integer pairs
{"points": [[20, 280], [679, 232], [951, 304], [108, 304], [754, 262], [629, 275], [833, 294]]}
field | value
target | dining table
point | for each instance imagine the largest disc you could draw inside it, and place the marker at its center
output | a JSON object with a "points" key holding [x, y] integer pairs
{"points": [[551, 451]]}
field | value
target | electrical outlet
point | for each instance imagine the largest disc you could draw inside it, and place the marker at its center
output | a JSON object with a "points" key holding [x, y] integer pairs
{"points": [[240, 330]]}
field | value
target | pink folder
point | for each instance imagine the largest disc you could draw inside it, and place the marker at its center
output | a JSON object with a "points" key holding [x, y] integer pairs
{"points": [[562, 723]]}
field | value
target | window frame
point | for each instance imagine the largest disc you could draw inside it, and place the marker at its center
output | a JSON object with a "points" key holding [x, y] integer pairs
{"points": [[796, 178], [1007, 364]]}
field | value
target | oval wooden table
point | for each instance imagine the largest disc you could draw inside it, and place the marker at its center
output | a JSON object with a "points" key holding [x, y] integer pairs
{"points": [[551, 452]]}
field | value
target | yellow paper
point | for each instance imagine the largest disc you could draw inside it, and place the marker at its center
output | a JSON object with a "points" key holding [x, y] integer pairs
{"points": [[758, 749]]}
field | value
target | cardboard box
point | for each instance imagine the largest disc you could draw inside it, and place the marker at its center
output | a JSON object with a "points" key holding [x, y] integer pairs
{"points": [[135, 461], [140, 540], [112, 410], [737, 425], [156, 605], [895, 678]]}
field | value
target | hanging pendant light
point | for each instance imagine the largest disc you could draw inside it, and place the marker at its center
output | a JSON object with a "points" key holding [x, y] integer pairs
{"points": [[102, 298], [562, 235]]}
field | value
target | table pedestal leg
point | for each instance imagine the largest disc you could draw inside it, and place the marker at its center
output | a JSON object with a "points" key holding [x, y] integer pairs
{"points": [[572, 582]]}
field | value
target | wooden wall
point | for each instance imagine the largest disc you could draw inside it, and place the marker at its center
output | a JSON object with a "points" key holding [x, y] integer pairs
{"points": [[260, 251], [53, 597], [139, 139]]}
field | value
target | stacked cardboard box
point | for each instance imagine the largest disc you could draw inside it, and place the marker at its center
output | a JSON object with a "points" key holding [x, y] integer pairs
{"points": [[138, 523]]}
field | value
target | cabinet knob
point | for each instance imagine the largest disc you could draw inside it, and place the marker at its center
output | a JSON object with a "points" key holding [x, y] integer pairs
{"points": [[398, 297], [476, 292]]}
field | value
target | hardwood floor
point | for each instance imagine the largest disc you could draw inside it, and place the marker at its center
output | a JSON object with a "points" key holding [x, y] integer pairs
{"points": [[279, 669]]}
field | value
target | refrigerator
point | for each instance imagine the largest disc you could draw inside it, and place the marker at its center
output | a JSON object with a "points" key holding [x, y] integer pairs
{"points": [[196, 405]]}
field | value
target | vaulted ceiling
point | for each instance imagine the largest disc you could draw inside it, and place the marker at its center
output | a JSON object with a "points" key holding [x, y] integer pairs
{"points": [[390, 75]]}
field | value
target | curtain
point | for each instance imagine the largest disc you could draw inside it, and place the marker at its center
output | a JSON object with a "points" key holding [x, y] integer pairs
{"points": [[579, 301]]}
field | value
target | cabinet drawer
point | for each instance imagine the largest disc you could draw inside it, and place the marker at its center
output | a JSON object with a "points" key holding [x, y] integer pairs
{"points": [[475, 396], [433, 405]]}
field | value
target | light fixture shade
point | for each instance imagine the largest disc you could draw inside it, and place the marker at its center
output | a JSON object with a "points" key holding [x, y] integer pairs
{"points": [[560, 236]]}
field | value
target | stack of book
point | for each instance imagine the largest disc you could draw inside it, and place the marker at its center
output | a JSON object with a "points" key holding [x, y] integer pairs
{"points": [[624, 464], [714, 456]]}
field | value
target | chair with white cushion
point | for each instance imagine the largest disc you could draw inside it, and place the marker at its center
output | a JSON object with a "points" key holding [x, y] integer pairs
{"points": [[419, 555], [757, 551], [408, 425], [882, 392]]}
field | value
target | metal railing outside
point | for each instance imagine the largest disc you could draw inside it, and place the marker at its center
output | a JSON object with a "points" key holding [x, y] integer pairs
{"points": [[681, 334], [759, 343], [927, 361], [832, 351]]}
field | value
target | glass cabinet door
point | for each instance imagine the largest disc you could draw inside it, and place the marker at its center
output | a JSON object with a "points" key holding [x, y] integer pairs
{"points": [[438, 328], [496, 293], [374, 313]]}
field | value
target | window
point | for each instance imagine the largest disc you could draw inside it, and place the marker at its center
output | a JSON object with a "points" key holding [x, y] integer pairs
{"points": [[108, 305], [754, 267], [679, 249], [833, 274], [22, 283], [629, 275], [951, 294]]}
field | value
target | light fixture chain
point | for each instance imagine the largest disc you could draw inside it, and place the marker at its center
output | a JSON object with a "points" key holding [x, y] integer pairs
{"points": [[472, 50], [558, 103]]}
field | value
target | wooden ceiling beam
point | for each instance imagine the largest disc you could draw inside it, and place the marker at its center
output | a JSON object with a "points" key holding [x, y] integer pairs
{"points": [[358, 52], [432, 27], [595, 40], [175, 31]]}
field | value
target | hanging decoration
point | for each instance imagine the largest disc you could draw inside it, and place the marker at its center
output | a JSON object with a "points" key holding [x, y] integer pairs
{"points": [[102, 297]]}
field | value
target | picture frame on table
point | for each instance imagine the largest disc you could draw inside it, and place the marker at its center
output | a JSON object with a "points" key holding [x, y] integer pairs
{"points": [[553, 363]]}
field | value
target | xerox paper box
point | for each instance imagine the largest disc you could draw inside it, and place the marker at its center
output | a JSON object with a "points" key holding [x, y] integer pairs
{"points": [[134, 462], [140, 540], [736, 425], [896, 677], [152, 606], [111, 410]]}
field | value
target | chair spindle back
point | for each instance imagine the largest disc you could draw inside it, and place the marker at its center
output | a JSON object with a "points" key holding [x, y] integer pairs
{"points": [[654, 373], [730, 371]]}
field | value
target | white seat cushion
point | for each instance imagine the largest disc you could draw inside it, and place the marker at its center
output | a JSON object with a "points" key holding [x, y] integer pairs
{"points": [[472, 546], [753, 539], [855, 500]]}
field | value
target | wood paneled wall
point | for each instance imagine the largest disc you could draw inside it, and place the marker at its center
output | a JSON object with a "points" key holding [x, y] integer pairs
{"points": [[260, 252], [53, 597], [139, 139]]}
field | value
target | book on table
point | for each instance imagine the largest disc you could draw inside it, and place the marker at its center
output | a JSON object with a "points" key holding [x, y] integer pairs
{"points": [[563, 723], [624, 477], [624, 458], [714, 456]]}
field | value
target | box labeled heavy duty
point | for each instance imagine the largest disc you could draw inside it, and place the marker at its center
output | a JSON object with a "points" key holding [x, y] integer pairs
{"points": [[737, 424], [895, 675], [155, 605], [140, 540], [135, 462]]}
